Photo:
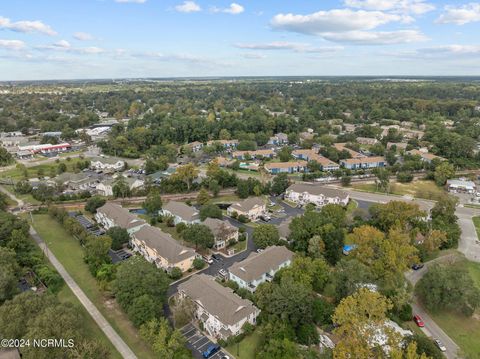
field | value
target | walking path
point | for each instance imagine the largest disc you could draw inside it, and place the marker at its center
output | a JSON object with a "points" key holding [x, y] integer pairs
{"points": [[111, 334]]}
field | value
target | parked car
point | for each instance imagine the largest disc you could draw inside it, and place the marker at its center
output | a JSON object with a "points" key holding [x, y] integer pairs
{"points": [[259, 250], [223, 273], [212, 349], [418, 266], [418, 320], [209, 260], [440, 345], [216, 257], [225, 357]]}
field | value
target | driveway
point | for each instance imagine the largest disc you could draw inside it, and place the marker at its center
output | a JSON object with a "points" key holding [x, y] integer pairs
{"points": [[198, 343]]}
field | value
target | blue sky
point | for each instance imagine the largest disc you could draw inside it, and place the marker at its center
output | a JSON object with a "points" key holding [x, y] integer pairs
{"points": [[58, 39]]}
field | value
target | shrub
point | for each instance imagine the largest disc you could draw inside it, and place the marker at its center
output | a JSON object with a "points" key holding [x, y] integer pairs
{"points": [[180, 227], [198, 263], [175, 273], [405, 313], [243, 219]]}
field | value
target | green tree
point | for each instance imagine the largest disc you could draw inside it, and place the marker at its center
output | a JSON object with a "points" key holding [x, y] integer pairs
{"points": [[9, 271], [119, 237], [142, 310], [265, 235], [280, 183], [200, 235], [153, 203], [203, 197], [93, 203], [443, 172], [96, 252], [285, 154], [186, 174], [121, 188], [210, 211]]}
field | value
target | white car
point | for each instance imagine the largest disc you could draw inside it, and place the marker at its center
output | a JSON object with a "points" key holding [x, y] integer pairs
{"points": [[440, 345], [209, 260], [223, 273]]}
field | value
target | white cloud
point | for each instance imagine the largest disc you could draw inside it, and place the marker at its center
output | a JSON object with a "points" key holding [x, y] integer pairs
{"points": [[131, 1], [293, 46], [336, 20], [188, 6], [12, 44], [416, 7], [253, 56], [460, 15], [65, 46], [83, 36], [26, 26], [233, 9], [376, 37], [445, 52]]}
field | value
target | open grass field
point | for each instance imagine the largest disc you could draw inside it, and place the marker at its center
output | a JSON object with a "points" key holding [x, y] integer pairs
{"points": [[417, 188], [69, 252], [247, 348], [17, 174], [464, 331]]}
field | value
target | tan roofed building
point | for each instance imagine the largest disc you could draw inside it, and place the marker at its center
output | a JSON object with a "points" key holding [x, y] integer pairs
{"points": [[160, 248], [319, 195], [113, 215], [259, 268], [252, 208], [222, 312], [181, 212]]}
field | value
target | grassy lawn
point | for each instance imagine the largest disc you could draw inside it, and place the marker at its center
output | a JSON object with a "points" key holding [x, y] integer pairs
{"points": [[476, 222], [92, 330], [247, 348], [352, 206], [28, 198], [418, 189], [239, 246], [69, 252], [464, 331], [17, 174], [225, 199]]}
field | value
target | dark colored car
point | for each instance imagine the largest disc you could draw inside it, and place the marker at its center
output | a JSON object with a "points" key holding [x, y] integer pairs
{"points": [[216, 257], [212, 349], [417, 266]]}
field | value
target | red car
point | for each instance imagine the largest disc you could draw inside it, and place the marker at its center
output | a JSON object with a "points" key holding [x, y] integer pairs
{"points": [[418, 321]]}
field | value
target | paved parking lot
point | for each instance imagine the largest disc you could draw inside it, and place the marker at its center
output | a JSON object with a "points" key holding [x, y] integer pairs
{"points": [[198, 343]]}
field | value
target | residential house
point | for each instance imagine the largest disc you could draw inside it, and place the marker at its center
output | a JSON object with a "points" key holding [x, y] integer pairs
{"points": [[195, 146], [111, 164], [425, 156], [180, 212], [398, 145], [386, 129], [224, 162], [113, 215], [461, 185], [160, 248], [286, 167], [223, 232], [410, 134], [342, 147], [77, 181], [349, 128], [278, 139], [258, 154], [312, 155], [227, 144], [252, 208], [364, 163], [105, 187], [304, 193], [367, 141], [259, 268], [13, 141], [221, 312]]}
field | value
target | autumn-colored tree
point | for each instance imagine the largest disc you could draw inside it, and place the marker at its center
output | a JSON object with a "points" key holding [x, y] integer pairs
{"points": [[186, 174]]}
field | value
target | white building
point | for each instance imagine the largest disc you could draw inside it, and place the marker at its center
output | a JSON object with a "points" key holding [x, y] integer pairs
{"points": [[461, 185], [180, 212], [259, 268], [319, 195], [221, 312], [107, 164], [113, 215], [252, 208]]}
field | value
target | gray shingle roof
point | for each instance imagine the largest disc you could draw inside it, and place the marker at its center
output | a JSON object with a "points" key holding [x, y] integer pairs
{"points": [[248, 204], [216, 299], [257, 264], [182, 210], [217, 226], [316, 189], [121, 216], [164, 244]]}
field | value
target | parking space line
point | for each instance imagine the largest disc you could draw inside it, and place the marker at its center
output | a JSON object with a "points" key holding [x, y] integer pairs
{"points": [[207, 343], [186, 334], [199, 340]]}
